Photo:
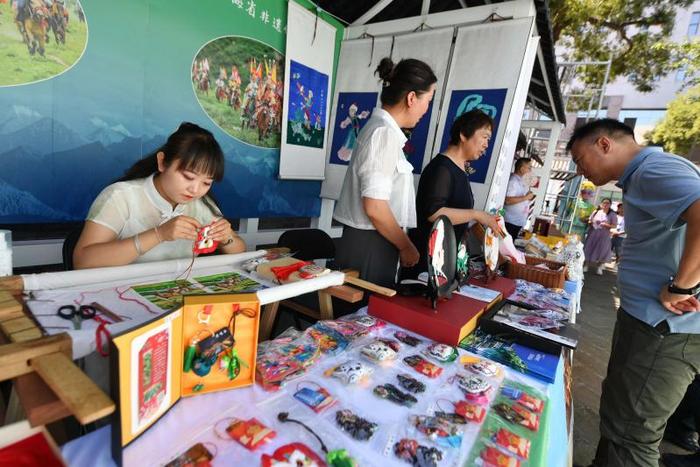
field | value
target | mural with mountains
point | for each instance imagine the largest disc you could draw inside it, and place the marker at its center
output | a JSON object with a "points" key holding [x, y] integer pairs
{"points": [[63, 140]]}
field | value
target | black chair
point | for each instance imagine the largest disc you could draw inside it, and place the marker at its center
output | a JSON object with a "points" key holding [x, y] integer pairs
{"points": [[69, 246], [308, 245]]}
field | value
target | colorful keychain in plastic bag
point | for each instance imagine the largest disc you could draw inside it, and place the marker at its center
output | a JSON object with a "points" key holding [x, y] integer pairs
{"points": [[250, 433], [423, 366], [492, 457], [410, 384], [437, 429], [292, 454], [514, 413], [441, 352], [391, 393], [415, 454], [314, 397], [512, 443], [357, 427], [350, 372], [463, 412], [523, 398], [200, 455]]}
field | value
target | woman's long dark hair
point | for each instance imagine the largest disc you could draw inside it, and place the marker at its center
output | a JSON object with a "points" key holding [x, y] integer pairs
{"points": [[401, 78], [195, 148]]}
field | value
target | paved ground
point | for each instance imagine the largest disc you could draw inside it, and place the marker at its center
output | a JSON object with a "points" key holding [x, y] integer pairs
{"points": [[597, 319]]}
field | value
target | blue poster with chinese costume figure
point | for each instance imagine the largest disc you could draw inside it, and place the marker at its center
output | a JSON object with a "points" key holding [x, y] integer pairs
{"points": [[306, 121], [490, 101], [353, 111]]}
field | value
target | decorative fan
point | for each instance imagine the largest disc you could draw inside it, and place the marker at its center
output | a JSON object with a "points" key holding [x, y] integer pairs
{"points": [[442, 260], [491, 245]]}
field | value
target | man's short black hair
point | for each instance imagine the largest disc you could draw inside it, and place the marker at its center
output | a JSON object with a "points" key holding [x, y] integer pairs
{"points": [[521, 162], [607, 126]]}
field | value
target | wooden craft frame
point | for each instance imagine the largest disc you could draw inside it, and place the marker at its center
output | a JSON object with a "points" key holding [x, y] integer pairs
{"points": [[49, 385]]}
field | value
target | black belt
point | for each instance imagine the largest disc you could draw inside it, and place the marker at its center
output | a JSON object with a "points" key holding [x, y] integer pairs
{"points": [[662, 328]]}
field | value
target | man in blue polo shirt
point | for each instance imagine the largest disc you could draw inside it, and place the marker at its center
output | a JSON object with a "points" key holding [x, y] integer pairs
{"points": [[655, 351]]}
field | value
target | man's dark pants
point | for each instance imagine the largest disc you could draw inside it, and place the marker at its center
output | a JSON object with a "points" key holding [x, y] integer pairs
{"points": [[648, 373], [513, 230]]}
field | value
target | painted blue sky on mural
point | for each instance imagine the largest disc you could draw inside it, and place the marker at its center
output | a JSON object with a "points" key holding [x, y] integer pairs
{"points": [[63, 140]]}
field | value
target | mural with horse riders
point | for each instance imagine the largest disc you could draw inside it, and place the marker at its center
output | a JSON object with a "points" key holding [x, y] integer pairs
{"points": [[39, 39], [76, 133], [239, 83]]}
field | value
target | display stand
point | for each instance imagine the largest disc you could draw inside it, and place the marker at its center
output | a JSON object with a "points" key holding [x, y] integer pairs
{"points": [[449, 323]]}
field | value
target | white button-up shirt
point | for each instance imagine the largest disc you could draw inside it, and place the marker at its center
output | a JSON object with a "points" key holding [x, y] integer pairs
{"points": [[378, 170], [517, 213], [134, 206]]}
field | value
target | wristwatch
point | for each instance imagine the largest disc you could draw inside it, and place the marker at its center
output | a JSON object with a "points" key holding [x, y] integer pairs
{"points": [[672, 288]]}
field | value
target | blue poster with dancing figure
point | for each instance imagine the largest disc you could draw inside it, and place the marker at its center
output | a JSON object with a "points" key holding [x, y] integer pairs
{"points": [[306, 120], [353, 111], [490, 101]]}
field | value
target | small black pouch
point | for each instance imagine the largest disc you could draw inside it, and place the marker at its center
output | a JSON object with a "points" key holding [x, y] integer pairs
{"points": [[217, 343]]}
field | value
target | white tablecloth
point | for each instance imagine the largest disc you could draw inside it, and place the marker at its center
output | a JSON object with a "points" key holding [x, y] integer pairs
{"points": [[194, 419]]}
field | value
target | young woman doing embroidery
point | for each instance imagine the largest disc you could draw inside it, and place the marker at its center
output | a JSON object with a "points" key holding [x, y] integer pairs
{"points": [[156, 209]]}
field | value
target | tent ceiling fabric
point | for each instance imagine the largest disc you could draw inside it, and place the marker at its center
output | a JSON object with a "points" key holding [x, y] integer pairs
{"points": [[351, 10]]}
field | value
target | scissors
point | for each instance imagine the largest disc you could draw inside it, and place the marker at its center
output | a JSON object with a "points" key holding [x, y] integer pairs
{"points": [[77, 314]]}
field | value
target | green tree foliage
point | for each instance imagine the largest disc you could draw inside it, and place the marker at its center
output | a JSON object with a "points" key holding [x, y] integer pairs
{"points": [[684, 56], [626, 30], [679, 131]]}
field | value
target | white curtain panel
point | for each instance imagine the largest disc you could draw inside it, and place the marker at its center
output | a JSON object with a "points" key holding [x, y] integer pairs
{"points": [[489, 57], [433, 47], [358, 60]]}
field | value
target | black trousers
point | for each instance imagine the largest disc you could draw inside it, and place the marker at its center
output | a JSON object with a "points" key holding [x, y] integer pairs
{"points": [[513, 230], [366, 251]]}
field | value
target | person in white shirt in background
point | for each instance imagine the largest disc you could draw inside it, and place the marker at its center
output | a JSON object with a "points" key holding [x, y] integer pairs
{"points": [[377, 203], [155, 210], [618, 233], [518, 197]]}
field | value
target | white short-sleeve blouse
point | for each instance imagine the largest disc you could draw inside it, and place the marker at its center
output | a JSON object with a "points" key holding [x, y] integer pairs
{"points": [[134, 206], [378, 170]]}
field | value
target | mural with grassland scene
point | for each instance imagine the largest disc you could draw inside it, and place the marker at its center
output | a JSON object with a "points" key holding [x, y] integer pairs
{"points": [[239, 83], [39, 39]]}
